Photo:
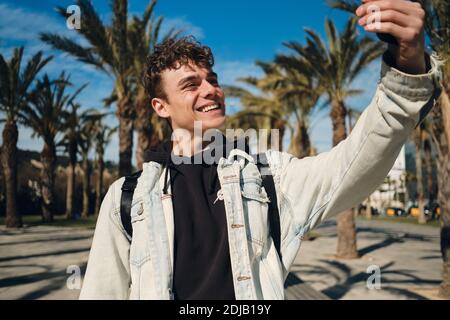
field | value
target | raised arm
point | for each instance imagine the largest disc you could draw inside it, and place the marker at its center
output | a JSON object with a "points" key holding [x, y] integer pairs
{"points": [[316, 188]]}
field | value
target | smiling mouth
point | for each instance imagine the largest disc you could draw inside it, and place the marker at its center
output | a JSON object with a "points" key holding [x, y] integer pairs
{"points": [[209, 108]]}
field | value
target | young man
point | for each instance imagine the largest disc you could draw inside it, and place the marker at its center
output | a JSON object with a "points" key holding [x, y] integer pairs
{"points": [[201, 231]]}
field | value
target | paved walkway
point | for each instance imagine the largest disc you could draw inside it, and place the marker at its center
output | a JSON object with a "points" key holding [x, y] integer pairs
{"points": [[34, 262], [408, 257]]}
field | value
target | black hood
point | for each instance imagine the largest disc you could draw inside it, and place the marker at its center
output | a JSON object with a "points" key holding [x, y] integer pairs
{"points": [[163, 155]]}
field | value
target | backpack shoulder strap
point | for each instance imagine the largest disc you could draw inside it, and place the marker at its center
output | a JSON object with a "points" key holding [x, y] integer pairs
{"points": [[274, 215], [126, 200]]}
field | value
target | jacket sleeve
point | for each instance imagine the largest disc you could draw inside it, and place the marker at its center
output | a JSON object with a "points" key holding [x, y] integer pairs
{"points": [[108, 272], [315, 188]]}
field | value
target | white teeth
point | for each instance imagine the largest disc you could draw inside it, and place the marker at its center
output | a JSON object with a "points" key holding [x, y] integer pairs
{"points": [[209, 108]]}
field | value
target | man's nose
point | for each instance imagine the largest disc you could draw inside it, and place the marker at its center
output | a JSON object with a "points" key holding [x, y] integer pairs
{"points": [[207, 89]]}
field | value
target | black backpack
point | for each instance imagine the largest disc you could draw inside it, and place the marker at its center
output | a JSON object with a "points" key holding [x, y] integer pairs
{"points": [[267, 181]]}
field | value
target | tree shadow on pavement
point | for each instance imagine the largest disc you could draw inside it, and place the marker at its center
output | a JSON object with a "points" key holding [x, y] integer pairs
{"points": [[391, 238], [344, 280], [58, 239], [58, 279], [45, 254]]}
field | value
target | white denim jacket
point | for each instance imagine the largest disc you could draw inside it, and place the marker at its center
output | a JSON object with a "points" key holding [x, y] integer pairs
{"points": [[309, 191]]}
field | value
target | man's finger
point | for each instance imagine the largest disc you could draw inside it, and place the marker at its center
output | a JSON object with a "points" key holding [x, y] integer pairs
{"points": [[396, 17], [399, 32], [406, 7]]}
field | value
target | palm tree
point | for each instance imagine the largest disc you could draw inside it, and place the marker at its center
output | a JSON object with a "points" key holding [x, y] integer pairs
{"points": [[257, 113], [428, 156], [102, 136], [438, 30], [336, 65], [108, 51], [88, 129], [71, 140], [143, 35], [260, 111], [300, 90], [43, 113], [120, 50], [70, 143], [419, 141], [14, 89]]}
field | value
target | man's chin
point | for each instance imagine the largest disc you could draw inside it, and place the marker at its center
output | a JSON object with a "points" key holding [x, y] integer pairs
{"points": [[216, 123]]}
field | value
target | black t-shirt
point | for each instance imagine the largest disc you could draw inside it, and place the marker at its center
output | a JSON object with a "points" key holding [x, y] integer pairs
{"points": [[202, 266]]}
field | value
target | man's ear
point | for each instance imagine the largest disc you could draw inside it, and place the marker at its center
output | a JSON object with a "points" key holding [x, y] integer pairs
{"points": [[159, 105]]}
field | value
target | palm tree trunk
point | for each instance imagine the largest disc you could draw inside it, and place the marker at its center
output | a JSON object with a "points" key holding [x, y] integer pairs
{"points": [[144, 128], [125, 115], [9, 163], [346, 230], [338, 114], [48, 160], [441, 135], [301, 143], [99, 185], [429, 169], [71, 181], [369, 208], [86, 189], [444, 201], [280, 125], [419, 175]]}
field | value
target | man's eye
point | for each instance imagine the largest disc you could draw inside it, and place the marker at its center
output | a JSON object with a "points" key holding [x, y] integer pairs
{"points": [[214, 81], [190, 86]]}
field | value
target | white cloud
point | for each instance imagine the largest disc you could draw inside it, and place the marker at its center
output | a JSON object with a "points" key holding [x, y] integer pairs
{"points": [[181, 23], [18, 24], [230, 71], [22, 27]]}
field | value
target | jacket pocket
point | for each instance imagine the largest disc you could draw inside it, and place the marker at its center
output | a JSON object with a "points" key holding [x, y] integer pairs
{"points": [[255, 205], [139, 248]]}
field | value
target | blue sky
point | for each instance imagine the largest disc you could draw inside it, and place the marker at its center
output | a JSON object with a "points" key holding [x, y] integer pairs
{"points": [[238, 31]]}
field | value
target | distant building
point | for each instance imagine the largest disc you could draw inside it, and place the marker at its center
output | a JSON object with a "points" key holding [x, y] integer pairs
{"points": [[393, 192]]}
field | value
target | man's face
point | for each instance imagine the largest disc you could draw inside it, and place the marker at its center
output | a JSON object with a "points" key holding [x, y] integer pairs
{"points": [[193, 94]]}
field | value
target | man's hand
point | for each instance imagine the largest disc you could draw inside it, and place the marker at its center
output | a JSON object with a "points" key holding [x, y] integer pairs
{"points": [[405, 21]]}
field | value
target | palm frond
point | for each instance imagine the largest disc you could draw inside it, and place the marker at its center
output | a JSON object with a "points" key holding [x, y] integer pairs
{"points": [[108, 101], [156, 29], [4, 84], [93, 30], [148, 12], [76, 93], [345, 5], [34, 65], [69, 46], [119, 34], [234, 91]]}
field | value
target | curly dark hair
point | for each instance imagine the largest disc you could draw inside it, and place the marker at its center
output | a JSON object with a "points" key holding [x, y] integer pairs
{"points": [[171, 54]]}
